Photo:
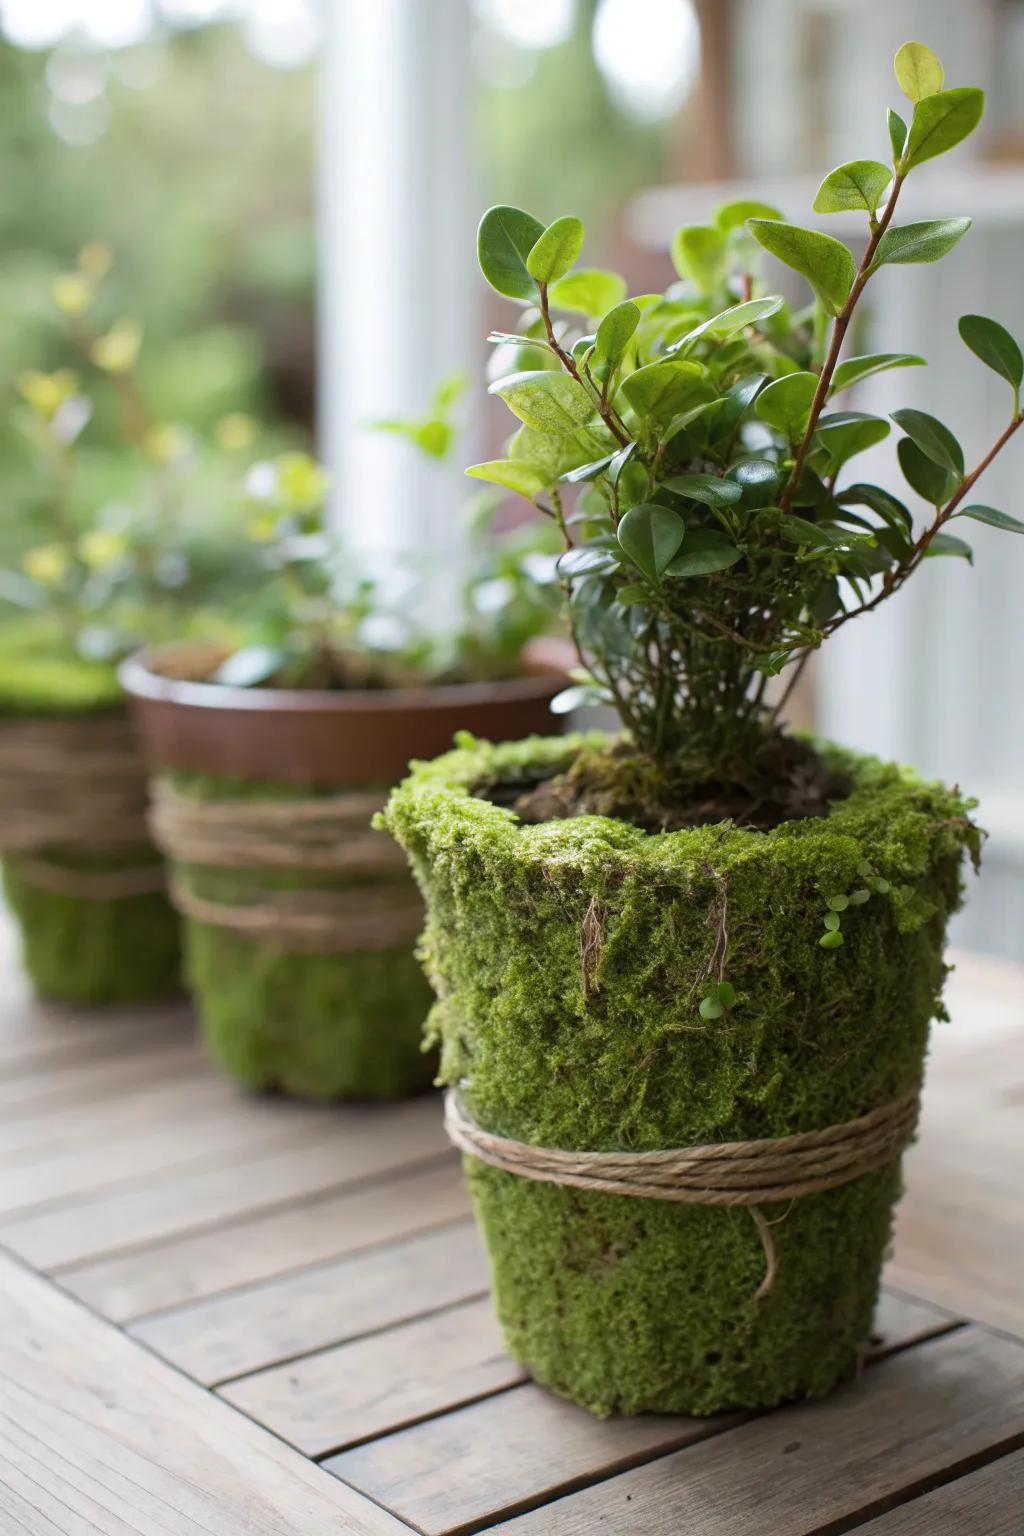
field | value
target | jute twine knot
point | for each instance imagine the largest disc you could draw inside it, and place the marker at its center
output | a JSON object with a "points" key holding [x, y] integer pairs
{"points": [[77, 786], [731, 1173], [327, 835]]}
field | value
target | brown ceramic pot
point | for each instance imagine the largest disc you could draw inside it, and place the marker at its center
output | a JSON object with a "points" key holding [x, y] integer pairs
{"points": [[314, 737]]}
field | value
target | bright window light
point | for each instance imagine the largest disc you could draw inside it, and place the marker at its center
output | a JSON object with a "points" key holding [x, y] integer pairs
{"points": [[530, 23], [649, 53]]}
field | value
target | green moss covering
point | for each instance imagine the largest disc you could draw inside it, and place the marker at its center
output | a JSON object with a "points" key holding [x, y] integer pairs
{"points": [[319, 1026], [77, 950], [96, 952], [39, 674], [571, 958]]}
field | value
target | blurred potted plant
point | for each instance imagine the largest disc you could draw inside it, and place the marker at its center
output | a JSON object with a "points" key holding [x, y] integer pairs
{"points": [[80, 872], [271, 760], [686, 975]]}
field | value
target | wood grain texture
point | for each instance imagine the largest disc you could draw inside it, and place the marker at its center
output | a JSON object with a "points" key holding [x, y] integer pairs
{"points": [[58, 1088], [959, 1236], [466, 1469], [989, 1502], [358, 1391], [271, 1244], [800, 1470], [96, 1436], [357, 1294], [357, 1145]]}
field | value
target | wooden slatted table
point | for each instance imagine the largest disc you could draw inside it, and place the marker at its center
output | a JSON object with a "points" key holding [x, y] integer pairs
{"points": [[224, 1316]]}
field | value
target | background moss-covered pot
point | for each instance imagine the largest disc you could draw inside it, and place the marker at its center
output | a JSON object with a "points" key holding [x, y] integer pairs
{"points": [[571, 958], [318, 1025], [92, 949]]}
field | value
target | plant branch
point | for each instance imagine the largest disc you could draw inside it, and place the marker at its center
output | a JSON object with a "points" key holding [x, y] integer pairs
{"points": [[839, 329], [895, 578], [567, 361]]}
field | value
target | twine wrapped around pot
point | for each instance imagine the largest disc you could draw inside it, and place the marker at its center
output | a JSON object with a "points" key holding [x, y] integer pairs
{"points": [[322, 836], [732, 1173], [77, 786]]}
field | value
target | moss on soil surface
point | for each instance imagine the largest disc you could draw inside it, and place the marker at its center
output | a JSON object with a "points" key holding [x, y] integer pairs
{"points": [[571, 958], [319, 1026]]}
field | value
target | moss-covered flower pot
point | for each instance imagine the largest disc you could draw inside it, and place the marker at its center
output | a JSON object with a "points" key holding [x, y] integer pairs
{"points": [[81, 875], [333, 1009], [571, 958]]}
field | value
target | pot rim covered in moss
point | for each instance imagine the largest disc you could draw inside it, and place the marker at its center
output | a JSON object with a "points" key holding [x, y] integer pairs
{"points": [[605, 989], [301, 920]]}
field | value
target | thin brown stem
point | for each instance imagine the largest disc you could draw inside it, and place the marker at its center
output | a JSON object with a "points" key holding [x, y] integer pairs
{"points": [[895, 578], [839, 329], [567, 361]]}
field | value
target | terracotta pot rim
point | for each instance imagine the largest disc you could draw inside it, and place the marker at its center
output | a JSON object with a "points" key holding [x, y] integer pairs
{"points": [[140, 679]]}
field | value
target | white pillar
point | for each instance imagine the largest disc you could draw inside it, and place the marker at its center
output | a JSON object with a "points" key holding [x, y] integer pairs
{"points": [[399, 290]]}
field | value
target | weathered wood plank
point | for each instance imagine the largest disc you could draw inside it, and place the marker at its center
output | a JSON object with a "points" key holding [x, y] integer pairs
{"points": [[97, 1436], [913, 1418], [360, 1144], [959, 1238], [101, 1078], [33, 1035], [271, 1244], [546, 1445], [989, 1502], [468, 1468], [360, 1390], [377, 1288], [213, 1125]]}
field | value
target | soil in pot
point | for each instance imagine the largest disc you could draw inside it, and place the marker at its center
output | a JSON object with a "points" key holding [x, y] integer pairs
{"points": [[80, 873], [302, 920], [571, 959]]}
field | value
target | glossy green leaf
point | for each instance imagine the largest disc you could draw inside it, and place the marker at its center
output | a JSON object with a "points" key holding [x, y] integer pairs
{"points": [[709, 489], [650, 536], [928, 241], [995, 346], [556, 250], [514, 474], [859, 184], [586, 561], [732, 214], [549, 402], [785, 404], [818, 536], [615, 333], [827, 264], [831, 939], [848, 433], [732, 320], [919, 72], [504, 240], [941, 122], [589, 291], [923, 475], [734, 403], [947, 544], [660, 391], [992, 517], [699, 252], [704, 553], [856, 368], [934, 439], [710, 1009], [756, 477], [579, 696], [585, 472], [897, 134], [881, 502]]}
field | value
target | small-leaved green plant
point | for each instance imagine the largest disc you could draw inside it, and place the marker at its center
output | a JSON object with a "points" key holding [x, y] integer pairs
{"points": [[696, 451]]}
